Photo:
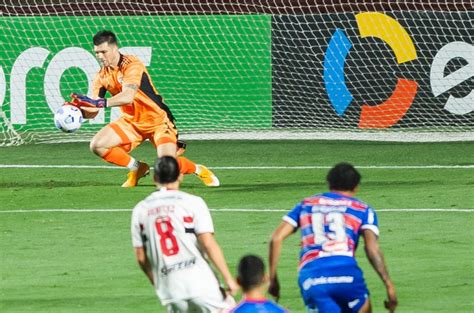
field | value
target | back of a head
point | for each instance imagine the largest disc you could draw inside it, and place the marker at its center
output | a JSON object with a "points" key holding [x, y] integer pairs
{"points": [[166, 170], [343, 177], [104, 36], [251, 271]]}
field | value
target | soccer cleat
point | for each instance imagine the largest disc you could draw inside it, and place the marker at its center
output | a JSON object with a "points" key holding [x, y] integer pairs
{"points": [[207, 177], [134, 176]]}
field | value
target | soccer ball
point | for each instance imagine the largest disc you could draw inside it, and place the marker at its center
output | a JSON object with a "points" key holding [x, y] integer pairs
{"points": [[68, 118]]}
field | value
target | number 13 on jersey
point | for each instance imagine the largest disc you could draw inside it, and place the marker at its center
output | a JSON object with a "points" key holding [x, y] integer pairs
{"points": [[329, 231]]}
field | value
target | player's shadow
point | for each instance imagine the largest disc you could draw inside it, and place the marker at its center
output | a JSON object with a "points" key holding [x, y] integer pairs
{"points": [[262, 186]]}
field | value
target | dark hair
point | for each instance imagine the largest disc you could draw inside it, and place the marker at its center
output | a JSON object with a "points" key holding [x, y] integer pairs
{"points": [[104, 36], [166, 170], [251, 271], [343, 177]]}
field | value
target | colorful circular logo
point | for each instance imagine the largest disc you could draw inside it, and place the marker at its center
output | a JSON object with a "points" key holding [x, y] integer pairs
{"points": [[389, 112]]}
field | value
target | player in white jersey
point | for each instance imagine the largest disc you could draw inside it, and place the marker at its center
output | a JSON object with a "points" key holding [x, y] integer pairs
{"points": [[172, 232]]}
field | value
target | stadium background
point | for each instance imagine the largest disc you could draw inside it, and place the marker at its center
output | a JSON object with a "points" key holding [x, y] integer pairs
{"points": [[244, 68]]}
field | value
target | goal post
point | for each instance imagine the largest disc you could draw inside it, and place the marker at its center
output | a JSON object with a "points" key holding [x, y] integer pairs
{"points": [[390, 70]]}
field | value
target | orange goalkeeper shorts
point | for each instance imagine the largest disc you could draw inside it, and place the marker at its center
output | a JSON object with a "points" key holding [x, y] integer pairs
{"points": [[133, 135]]}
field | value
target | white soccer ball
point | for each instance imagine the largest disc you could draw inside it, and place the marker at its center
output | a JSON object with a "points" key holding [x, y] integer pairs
{"points": [[68, 118]]}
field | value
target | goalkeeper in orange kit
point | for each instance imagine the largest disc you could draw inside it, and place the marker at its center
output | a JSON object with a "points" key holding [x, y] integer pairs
{"points": [[144, 114]]}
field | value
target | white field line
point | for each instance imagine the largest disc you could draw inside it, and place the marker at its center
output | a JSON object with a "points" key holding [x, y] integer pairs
{"points": [[388, 167], [215, 210]]}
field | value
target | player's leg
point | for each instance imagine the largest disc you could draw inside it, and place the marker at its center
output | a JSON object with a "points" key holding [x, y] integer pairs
{"points": [[187, 166], [212, 302], [316, 293], [367, 307], [317, 300], [113, 144], [206, 176], [197, 308], [177, 307], [165, 139], [352, 296], [103, 141], [181, 147], [165, 148]]}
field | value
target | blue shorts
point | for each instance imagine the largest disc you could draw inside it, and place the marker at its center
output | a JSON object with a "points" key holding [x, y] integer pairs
{"points": [[332, 289]]}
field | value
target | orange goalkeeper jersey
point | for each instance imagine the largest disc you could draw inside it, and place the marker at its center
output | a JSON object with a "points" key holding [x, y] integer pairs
{"points": [[147, 109]]}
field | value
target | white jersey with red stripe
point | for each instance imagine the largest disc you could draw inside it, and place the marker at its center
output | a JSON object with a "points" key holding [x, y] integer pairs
{"points": [[166, 224]]}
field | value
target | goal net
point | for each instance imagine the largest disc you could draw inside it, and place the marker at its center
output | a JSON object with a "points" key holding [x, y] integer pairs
{"points": [[384, 70]]}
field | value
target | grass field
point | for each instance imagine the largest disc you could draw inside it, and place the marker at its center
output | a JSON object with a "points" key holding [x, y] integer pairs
{"points": [[64, 231]]}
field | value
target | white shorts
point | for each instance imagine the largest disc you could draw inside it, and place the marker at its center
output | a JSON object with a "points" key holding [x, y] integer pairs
{"points": [[201, 305]]}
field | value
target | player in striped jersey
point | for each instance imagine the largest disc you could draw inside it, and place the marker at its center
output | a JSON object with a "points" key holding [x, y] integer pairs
{"points": [[330, 225], [144, 114], [173, 236]]}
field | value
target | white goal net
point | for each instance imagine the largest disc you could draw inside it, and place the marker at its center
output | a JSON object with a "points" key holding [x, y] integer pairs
{"points": [[288, 69]]}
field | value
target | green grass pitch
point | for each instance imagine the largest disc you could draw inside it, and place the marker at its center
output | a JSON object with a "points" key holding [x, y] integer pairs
{"points": [[83, 261]]}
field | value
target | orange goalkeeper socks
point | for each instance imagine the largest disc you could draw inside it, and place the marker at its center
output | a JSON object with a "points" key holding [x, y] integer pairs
{"points": [[117, 156], [186, 166]]}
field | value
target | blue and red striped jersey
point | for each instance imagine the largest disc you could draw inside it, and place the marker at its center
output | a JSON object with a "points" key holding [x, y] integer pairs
{"points": [[330, 224]]}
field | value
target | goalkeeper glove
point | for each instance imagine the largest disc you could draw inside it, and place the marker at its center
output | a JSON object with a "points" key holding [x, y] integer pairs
{"points": [[82, 100]]}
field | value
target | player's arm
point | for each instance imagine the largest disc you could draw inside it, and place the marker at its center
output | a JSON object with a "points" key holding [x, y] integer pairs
{"points": [[215, 254], [375, 256], [138, 243], [284, 230], [124, 97], [144, 263], [90, 110], [132, 75]]}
